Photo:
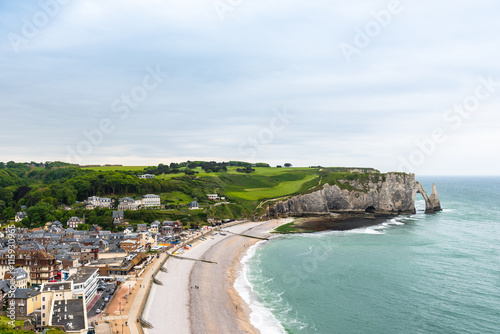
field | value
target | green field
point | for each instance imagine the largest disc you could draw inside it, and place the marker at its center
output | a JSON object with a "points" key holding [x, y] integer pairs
{"points": [[117, 168], [284, 188], [175, 197]]}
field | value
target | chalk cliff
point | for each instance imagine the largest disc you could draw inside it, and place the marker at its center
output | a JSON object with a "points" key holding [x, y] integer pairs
{"points": [[383, 193]]}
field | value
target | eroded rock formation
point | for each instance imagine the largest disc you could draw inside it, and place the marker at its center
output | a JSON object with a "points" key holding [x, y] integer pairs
{"points": [[382, 193]]}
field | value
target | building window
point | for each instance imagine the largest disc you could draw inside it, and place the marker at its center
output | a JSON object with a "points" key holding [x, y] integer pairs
{"points": [[43, 299], [43, 307]]}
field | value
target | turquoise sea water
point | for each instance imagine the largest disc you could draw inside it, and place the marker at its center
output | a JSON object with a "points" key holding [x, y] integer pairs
{"points": [[414, 274]]}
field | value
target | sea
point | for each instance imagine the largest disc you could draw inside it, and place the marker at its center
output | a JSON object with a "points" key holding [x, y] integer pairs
{"points": [[418, 273]]}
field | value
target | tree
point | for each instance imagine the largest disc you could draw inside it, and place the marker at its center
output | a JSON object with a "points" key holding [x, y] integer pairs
{"points": [[9, 213], [40, 214], [21, 192], [288, 165]]}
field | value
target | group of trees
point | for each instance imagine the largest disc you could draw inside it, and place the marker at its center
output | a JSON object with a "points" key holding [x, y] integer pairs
{"points": [[247, 169], [208, 166], [46, 193], [46, 190]]}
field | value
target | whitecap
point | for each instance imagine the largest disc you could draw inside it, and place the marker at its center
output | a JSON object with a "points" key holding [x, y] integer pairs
{"points": [[261, 317]]}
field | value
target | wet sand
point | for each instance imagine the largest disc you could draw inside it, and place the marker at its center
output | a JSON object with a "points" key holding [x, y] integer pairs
{"points": [[342, 222]]}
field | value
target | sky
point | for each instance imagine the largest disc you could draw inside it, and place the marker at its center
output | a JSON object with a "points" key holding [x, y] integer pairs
{"points": [[395, 85]]}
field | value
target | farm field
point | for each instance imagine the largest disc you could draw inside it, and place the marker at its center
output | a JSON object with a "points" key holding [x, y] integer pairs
{"points": [[116, 168], [282, 189]]}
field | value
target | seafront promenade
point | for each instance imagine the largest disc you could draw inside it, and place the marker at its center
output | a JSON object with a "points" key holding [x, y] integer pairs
{"points": [[127, 306], [211, 287]]}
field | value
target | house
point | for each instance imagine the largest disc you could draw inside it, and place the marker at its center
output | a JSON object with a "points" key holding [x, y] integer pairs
{"points": [[74, 222], [4, 289], [154, 228], [146, 176], [127, 265], [19, 276], [100, 202], [171, 227], [130, 245], [213, 197], [150, 200], [25, 301], [127, 203], [142, 227], [118, 217], [20, 216], [41, 266], [194, 205]]}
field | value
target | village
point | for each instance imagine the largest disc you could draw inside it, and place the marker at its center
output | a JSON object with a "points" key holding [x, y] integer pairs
{"points": [[61, 277]]}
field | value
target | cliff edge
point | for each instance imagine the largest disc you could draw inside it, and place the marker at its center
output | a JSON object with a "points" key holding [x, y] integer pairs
{"points": [[392, 193]]}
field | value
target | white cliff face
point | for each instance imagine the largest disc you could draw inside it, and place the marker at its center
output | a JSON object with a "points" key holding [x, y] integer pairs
{"points": [[435, 203], [391, 192]]}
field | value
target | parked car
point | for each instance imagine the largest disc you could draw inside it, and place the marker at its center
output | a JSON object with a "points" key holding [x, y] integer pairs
{"points": [[98, 311], [106, 299]]}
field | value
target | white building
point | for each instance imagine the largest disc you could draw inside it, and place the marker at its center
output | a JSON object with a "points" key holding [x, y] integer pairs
{"points": [[85, 282], [100, 202], [127, 203], [147, 176], [150, 200], [74, 222], [213, 197]]}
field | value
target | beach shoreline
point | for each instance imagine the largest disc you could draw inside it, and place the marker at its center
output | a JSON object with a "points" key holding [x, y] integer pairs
{"points": [[199, 297], [219, 308]]}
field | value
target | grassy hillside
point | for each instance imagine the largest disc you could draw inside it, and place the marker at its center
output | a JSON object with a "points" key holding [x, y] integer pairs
{"points": [[45, 190]]}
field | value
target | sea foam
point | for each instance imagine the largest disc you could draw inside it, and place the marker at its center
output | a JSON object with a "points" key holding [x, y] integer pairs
{"points": [[261, 317]]}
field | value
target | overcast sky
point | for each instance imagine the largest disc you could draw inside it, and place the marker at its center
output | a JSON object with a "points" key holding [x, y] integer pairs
{"points": [[316, 82]]}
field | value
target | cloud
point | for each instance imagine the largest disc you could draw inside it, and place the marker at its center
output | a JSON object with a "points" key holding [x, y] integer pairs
{"points": [[226, 77]]}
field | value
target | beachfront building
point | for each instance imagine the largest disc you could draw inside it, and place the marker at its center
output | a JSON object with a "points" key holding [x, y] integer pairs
{"points": [[127, 266], [85, 282], [171, 227]]}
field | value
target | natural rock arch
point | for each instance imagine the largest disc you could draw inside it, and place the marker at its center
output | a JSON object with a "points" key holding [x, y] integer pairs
{"points": [[432, 203]]}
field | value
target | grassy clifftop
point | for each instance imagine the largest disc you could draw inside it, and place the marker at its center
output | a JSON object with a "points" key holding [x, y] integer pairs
{"points": [[46, 190]]}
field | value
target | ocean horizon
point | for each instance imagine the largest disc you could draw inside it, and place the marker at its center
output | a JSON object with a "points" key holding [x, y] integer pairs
{"points": [[418, 273]]}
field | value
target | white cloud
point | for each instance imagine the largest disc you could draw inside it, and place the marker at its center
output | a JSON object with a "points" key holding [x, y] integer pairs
{"points": [[225, 78]]}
